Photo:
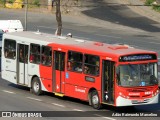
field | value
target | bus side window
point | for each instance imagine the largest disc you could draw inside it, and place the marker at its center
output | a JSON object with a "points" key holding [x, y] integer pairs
{"points": [[31, 59], [34, 53], [10, 49], [91, 65], [74, 62], [46, 56]]}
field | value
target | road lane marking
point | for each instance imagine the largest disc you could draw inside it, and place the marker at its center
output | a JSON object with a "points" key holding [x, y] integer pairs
{"points": [[154, 42], [108, 118], [34, 99], [8, 91], [58, 105], [108, 36], [46, 27], [78, 110]]}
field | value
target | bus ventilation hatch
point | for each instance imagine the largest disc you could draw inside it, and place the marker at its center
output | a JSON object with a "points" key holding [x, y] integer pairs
{"points": [[98, 43], [117, 47]]}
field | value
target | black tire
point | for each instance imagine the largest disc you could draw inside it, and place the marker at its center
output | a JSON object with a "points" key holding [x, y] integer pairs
{"points": [[36, 86], [95, 101]]}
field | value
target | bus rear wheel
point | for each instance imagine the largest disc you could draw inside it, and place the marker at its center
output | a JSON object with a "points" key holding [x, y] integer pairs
{"points": [[36, 86], [95, 101]]}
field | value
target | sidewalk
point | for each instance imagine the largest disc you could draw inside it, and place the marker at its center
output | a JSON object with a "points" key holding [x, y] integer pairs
{"points": [[147, 11]]}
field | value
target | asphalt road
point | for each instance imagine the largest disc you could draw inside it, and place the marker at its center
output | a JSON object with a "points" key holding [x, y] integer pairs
{"points": [[18, 98], [145, 36]]}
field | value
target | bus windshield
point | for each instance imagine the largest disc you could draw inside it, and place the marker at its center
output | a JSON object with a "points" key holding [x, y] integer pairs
{"points": [[132, 75]]}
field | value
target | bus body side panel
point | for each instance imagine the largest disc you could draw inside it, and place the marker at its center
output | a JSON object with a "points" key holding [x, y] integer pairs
{"points": [[9, 69], [33, 71], [75, 85], [76, 91], [78, 85], [8, 66], [46, 77]]}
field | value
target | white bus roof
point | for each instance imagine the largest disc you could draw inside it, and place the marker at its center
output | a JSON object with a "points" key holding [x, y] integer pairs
{"points": [[76, 44]]}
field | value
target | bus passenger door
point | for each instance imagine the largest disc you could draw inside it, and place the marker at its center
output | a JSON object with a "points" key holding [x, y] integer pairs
{"points": [[108, 81], [59, 72], [22, 68]]}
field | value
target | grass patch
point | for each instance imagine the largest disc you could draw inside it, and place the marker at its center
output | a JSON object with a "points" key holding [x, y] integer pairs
{"points": [[150, 3], [2, 1], [36, 3], [156, 7]]}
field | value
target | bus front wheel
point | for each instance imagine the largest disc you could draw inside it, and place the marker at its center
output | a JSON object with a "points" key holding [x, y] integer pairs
{"points": [[36, 86], [95, 101]]}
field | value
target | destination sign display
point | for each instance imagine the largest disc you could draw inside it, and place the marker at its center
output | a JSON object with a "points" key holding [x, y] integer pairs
{"points": [[138, 57]]}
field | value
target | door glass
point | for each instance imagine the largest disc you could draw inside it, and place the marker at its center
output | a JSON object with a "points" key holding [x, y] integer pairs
{"points": [[59, 60], [108, 81], [26, 54], [21, 54]]}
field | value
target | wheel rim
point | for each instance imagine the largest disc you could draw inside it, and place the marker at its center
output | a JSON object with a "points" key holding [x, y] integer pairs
{"points": [[95, 100], [36, 86]]}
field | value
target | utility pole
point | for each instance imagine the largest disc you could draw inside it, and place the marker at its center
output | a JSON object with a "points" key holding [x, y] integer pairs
{"points": [[26, 12], [58, 18]]}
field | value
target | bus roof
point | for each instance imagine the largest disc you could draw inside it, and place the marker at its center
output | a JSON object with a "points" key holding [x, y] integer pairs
{"points": [[113, 50]]}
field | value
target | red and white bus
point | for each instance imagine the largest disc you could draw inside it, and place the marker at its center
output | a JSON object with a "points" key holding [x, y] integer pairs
{"points": [[99, 73]]}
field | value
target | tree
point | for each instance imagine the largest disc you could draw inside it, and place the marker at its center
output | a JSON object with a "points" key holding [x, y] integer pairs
{"points": [[58, 18]]}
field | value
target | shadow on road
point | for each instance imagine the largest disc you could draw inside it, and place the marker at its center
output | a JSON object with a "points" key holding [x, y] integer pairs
{"points": [[128, 109], [120, 14], [19, 87]]}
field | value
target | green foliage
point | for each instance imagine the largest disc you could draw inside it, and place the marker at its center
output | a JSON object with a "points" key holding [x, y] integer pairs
{"points": [[11, 1], [36, 2], [157, 8], [149, 2]]}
